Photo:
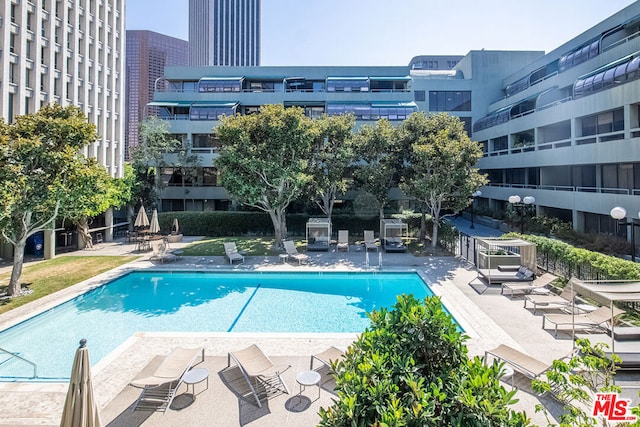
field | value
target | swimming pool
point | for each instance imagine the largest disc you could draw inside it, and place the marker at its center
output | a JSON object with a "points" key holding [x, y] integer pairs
{"points": [[199, 302]]}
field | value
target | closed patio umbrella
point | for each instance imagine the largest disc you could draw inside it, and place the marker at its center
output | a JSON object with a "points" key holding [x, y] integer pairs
{"points": [[154, 226], [142, 220], [80, 408], [175, 228]]}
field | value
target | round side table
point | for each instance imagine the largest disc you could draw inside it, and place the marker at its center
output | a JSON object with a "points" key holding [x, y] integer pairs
{"points": [[308, 379], [283, 257], [195, 376]]}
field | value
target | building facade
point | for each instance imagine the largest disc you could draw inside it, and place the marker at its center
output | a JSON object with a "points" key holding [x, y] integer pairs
{"points": [[69, 52], [224, 32], [563, 127], [147, 54]]}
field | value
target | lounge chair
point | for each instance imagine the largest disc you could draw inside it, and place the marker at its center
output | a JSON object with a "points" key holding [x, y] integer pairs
{"points": [[160, 248], [526, 288], [292, 252], [369, 241], [253, 363], [327, 356], [583, 321], [343, 240], [231, 252], [552, 300], [523, 363], [159, 389]]}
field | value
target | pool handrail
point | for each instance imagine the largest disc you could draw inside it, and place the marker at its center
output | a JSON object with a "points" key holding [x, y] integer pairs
{"points": [[17, 356]]}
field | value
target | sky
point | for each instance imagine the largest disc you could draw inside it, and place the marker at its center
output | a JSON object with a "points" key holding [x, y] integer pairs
{"points": [[391, 32]]}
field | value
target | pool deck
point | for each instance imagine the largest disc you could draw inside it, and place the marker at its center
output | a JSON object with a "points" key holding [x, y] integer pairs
{"points": [[488, 318]]}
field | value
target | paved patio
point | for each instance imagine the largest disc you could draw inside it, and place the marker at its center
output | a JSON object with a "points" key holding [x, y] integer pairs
{"points": [[488, 318]]}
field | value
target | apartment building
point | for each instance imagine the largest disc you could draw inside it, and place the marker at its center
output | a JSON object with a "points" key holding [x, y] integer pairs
{"points": [[563, 127], [69, 52]]}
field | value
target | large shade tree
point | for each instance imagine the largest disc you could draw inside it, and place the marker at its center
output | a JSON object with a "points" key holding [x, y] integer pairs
{"points": [[440, 171], [378, 154], [264, 159], [43, 175], [332, 155]]}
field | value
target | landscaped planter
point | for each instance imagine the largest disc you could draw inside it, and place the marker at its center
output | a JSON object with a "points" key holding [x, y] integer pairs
{"points": [[494, 260]]}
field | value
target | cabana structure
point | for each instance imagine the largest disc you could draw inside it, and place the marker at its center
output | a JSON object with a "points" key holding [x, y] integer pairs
{"points": [[623, 341], [506, 260], [318, 234], [394, 233]]}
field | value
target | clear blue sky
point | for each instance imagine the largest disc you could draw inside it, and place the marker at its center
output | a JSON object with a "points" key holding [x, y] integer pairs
{"points": [[391, 32]]}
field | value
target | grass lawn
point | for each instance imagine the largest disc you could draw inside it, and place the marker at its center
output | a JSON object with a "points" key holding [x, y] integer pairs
{"points": [[50, 276], [213, 246]]}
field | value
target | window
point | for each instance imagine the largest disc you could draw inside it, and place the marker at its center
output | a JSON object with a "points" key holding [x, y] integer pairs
{"points": [[348, 85], [219, 85], [210, 113], [209, 177], [449, 100], [12, 43], [612, 121], [419, 96]]}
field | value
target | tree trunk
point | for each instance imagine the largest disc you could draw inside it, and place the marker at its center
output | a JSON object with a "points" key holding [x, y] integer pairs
{"points": [[83, 233], [434, 234], [278, 219], [423, 224], [18, 259], [381, 215]]}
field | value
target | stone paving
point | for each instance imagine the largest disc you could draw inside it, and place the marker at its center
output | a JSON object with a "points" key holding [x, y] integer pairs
{"points": [[487, 317]]}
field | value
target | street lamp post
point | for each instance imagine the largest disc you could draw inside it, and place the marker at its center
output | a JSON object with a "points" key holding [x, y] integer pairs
{"points": [[520, 205], [473, 199], [619, 214]]}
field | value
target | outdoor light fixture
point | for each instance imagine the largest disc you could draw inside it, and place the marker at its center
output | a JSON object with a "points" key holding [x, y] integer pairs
{"points": [[520, 205], [620, 214], [473, 199]]}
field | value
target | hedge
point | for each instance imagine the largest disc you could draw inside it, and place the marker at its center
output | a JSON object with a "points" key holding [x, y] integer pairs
{"points": [[231, 223]]}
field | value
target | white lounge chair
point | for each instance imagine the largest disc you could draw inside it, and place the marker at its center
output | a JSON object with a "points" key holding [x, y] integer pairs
{"points": [[159, 389], [343, 240], [552, 300], [369, 241], [253, 363], [160, 248], [523, 363], [587, 321], [326, 357], [292, 252], [526, 288], [231, 252]]}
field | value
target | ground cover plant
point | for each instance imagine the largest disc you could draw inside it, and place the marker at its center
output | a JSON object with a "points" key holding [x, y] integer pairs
{"points": [[410, 368], [50, 276]]}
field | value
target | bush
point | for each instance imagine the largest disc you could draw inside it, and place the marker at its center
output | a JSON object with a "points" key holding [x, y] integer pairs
{"points": [[410, 368]]}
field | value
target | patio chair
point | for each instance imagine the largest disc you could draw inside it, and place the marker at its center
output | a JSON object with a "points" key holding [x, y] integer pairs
{"points": [[159, 389], [327, 356], [343, 240], [160, 248], [369, 241], [551, 301], [292, 252], [583, 321], [526, 288], [231, 252], [519, 361], [253, 363]]}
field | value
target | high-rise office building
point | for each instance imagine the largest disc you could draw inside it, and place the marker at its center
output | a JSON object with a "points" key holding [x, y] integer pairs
{"points": [[224, 32], [70, 53], [147, 55]]}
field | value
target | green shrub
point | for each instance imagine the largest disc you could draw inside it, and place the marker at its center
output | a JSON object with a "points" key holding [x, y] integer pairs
{"points": [[410, 368]]}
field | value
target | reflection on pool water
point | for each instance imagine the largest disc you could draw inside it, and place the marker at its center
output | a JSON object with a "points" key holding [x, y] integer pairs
{"points": [[199, 302]]}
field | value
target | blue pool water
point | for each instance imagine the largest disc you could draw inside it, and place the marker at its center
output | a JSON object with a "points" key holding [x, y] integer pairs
{"points": [[199, 302]]}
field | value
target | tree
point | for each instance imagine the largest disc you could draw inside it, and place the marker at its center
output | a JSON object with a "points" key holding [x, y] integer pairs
{"points": [[149, 155], [332, 155], [439, 168], [42, 174], [410, 368], [378, 161], [264, 159]]}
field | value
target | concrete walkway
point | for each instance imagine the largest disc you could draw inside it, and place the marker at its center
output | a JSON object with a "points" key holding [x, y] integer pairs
{"points": [[488, 318]]}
